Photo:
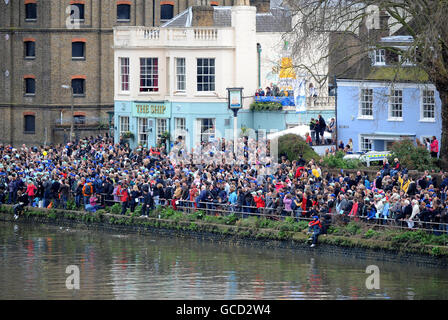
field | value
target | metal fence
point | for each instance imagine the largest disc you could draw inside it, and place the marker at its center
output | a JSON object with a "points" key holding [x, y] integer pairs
{"points": [[278, 214]]}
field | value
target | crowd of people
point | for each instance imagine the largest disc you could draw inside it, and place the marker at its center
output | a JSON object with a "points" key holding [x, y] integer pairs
{"points": [[271, 91], [96, 172], [318, 127]]}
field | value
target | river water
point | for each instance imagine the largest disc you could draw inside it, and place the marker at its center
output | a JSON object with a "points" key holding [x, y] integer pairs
{"points": [[33, 262]]}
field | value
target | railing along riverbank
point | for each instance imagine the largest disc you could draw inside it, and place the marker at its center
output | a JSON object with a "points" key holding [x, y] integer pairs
{"points": [[242, 211]]}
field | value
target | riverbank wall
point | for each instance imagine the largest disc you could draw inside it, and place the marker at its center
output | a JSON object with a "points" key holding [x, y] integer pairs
{"points": [[238, 235]]}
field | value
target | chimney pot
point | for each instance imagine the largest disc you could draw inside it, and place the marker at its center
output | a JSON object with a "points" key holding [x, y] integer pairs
{"points": [[203, 16], [263, 6]]}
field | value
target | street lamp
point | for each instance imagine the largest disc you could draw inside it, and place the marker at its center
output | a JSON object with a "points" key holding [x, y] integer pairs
{"points": [[235, 102], [73, 115], [259, 64]]}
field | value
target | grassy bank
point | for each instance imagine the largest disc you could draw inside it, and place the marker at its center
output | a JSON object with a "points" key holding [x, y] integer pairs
{"points": [[353, 234]]}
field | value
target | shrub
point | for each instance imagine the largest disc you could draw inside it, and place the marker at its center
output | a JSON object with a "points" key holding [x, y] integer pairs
{"points": [[249, 222], [231, 219], [214, 219], [411, 156], [101, 211], [71, 205], [371, 233], [292, 146], [137, 211], [338, 161], [419, 236], [353, 228], [435, 251], [115, 209], [264, 223]]}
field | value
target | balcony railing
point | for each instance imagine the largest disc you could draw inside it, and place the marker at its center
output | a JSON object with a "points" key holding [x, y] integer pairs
{"points": [[160, 37], [321, 102], [85, 122]]}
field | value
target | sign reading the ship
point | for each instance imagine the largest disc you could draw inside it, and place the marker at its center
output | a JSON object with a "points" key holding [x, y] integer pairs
{"points": [[151, 109]]}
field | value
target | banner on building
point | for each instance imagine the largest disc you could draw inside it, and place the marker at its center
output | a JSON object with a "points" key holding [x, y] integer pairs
{"points": [[300, 95]]}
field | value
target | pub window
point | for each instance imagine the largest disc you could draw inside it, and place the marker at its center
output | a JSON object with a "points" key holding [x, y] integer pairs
{"points": [[78, 86], [124, 124], [123, 12], [30, 49], [29, 124], [166, 11], [78, 50], [31, 11], [161, 127], [142, 131]]}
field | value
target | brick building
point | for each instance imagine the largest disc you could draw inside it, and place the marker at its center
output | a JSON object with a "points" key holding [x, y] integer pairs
{"points": [[47, 44]]}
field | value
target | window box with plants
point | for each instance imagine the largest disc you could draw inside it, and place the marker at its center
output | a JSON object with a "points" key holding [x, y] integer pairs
{"points": [[127, 135], [266, 106]]}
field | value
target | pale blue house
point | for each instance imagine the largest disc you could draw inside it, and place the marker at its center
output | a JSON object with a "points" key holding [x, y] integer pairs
{"points": [[375, 114], [390, 99]]}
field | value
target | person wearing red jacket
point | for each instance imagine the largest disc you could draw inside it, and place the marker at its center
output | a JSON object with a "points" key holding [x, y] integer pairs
{"points": [[299, 172], [124, 198], [259, 201], [194, 192], [354, 210], [31, 192], [434, 147], [315, 227]]}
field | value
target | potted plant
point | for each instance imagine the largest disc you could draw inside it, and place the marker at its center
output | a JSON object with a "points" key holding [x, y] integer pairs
{"points": [[127, 135], [165, 138]]}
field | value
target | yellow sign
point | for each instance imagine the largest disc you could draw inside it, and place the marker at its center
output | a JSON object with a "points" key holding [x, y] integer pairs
{"points": [[151, 109], [145, 108]]}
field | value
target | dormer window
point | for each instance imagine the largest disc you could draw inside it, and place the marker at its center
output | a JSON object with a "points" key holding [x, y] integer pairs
{"points": [[379, 57]]}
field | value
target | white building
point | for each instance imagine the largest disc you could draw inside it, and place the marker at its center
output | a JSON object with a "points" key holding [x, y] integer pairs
{"points": [[174, 78]]}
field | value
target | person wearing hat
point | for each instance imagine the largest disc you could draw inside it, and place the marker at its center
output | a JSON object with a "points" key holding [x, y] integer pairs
{"points": [[314, 226]]}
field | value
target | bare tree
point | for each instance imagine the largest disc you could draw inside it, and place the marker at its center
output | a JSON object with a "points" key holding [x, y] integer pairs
{"points": [[351, 29]]}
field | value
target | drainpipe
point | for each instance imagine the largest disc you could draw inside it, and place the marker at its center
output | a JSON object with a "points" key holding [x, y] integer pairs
{"points": [[336, 110], [259, 64]]}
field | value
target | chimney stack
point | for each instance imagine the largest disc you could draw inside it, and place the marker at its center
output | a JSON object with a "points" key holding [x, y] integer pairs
{"points": [[263, 6], [384, 24], [202, 14], [241, 3]]}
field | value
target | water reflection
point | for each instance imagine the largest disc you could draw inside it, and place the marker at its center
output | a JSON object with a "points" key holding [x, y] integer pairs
{"points": [[34, 259]]}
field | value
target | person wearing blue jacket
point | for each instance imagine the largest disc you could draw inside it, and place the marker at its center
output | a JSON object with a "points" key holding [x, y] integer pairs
{"points": [[233, 198], [385, 213], [371, 213]]}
